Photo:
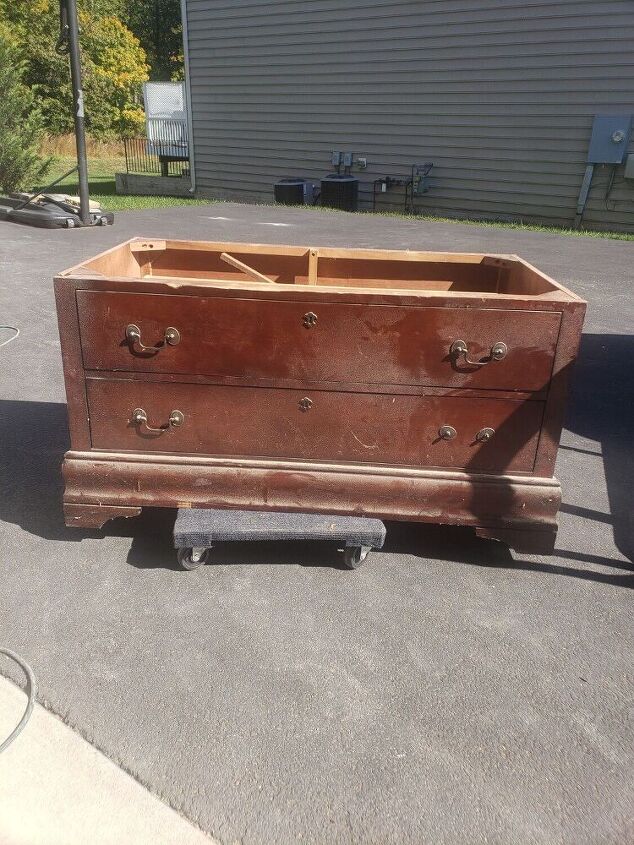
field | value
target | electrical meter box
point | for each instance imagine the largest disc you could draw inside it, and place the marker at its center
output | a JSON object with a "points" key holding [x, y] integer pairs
{"points": [[610, 138]]}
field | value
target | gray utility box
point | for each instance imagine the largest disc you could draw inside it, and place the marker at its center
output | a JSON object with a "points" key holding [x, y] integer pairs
{"points": [[610, 138]]}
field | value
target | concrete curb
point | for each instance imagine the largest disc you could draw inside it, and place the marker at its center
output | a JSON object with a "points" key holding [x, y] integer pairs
{"points": [[59, 790]]}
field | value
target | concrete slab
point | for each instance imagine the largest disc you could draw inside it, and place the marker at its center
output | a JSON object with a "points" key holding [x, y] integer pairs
{"points": [[447, 692], [59, 790]]}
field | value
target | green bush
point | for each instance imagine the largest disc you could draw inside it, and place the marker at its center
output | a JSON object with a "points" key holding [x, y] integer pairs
{"points": [[21, 125]]}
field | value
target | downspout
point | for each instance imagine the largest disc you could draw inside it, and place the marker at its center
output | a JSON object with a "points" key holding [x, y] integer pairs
{"points": [[188, 97]]}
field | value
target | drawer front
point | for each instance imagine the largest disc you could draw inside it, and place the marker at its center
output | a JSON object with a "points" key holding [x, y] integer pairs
{"points": [[318, 425], [317, 341]]}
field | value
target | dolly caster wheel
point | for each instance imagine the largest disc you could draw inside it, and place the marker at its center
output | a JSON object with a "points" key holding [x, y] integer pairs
{"points": [[192, 558], [353, 556]]}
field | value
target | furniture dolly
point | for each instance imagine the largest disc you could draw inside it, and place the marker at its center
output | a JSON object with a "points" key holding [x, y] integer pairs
{"points": [[198, 530]]}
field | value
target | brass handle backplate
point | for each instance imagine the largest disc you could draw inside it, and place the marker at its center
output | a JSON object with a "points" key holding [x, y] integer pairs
{"points": [[139, 417], [459, 348], [485, 434], [172, 337]]}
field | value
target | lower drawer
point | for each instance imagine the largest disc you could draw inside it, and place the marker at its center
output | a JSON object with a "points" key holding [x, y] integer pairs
{"points": [[318, 425]]}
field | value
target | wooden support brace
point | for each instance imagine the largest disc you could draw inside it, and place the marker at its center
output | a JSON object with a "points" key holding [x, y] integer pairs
{"points": [[313, 259], [240, 265]]}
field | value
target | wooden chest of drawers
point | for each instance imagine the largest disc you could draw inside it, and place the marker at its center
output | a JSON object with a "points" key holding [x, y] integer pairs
{"points": [[404, 385]]}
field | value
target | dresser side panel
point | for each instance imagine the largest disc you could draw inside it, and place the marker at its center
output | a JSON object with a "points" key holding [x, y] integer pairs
{"points": [[74, 379], [556, 402]]}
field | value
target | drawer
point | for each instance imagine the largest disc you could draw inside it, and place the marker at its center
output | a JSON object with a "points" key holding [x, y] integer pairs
{"points": [[317, 341], [321, 425]]}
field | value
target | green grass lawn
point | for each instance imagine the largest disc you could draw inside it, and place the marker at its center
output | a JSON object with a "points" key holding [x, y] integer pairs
{"points": [[102, 186], [491, 224], [528, 227]]}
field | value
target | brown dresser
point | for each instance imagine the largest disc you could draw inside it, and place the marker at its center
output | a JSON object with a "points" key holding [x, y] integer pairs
{"points": [[405, 385]]}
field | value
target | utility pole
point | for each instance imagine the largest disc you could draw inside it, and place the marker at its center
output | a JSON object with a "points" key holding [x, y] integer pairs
{"points": [[70, 31]]}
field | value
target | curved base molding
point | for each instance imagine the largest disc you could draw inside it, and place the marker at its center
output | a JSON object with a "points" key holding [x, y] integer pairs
{"points": [[520, 511], [94, 516]]}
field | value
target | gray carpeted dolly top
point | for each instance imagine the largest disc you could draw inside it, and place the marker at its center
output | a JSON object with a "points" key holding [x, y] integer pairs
{"points": [[202, 527]]}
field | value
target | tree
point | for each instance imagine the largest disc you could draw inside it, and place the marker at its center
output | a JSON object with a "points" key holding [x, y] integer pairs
{"points": [[157, 25], [113, 61], [114, 74], [21, 124]]}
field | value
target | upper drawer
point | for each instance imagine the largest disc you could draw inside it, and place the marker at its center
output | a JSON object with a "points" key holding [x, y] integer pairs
{"points": [[319, 342]]}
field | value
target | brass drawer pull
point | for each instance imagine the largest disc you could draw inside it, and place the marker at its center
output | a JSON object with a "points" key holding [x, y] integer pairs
{"points": [[309, 320], [447, 432], [305, 404], [139, 417], [485, 434], [459, 348], [133, 335]]}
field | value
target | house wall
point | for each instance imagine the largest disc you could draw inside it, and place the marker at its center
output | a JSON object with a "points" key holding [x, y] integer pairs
{"points": [[499, 94]]}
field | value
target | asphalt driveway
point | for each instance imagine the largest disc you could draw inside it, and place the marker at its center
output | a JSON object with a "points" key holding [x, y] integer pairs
{"points": [[449, 691]]}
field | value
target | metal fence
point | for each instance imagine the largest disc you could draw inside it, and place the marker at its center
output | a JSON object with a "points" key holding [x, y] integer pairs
{"points": [[164, 151]]}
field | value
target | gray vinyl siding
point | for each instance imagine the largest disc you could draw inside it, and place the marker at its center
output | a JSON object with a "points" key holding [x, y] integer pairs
{"points": [[499, 94]]}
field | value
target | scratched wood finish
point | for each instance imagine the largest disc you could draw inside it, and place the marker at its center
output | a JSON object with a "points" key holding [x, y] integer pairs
{"points": [[374, 365], [318, 341], [316, 425], [453, 498]]}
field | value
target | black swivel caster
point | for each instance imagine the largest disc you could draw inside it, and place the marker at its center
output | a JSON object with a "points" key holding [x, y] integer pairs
{"points": [[353, 556], [190, 558]]}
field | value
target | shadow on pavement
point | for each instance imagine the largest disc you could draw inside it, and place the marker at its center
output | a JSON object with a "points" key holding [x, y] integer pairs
{"points": [[152, 549], [620, 580], [602, 409], [33, 439], [450, 543]]}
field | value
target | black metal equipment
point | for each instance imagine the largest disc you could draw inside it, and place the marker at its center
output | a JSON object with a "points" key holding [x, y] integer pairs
{"points": [[69, 42], [415, 185], [340, 190], [198, 530], [48, 212], [295, 191]]}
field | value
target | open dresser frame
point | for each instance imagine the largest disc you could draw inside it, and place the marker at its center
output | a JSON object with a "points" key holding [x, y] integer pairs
{"points": [[368, 369]]}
